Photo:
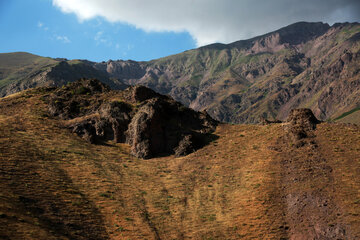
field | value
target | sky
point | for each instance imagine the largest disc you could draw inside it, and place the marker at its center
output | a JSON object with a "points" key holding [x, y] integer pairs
{"points": [[141, 30]]}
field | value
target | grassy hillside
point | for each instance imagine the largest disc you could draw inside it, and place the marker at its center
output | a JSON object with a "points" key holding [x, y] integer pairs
{"points": [[16, 67], [249, 184], [352, 116], [20, 71]]}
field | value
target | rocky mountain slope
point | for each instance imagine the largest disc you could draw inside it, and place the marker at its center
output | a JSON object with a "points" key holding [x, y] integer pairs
{"points": [[20, 71], [311, 65], [293, 180], [303, 65]]}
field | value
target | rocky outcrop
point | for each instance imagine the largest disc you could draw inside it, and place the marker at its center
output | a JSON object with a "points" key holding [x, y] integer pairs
{"points": [[151, 123], [118, 115], [140, 93], [73, 100], [85, 129], [161, 125], [301, 123], [91, 118], [303, 117]]}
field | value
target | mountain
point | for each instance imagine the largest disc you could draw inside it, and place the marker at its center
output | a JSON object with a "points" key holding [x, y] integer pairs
{"points": [[302, 65], [310, 65], [20, 71], [66, 173]]}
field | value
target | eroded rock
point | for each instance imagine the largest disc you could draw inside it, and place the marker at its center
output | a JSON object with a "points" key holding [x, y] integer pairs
{"points": [[118, 115], [302, 117], [301, 122], [159, 125], [85, 129], [151, 123], [140, 93]]}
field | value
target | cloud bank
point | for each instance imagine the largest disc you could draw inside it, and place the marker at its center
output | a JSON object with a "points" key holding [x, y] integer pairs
{"points": [[209, 21]]}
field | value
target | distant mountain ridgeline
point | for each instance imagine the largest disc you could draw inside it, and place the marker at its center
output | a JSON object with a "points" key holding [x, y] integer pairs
{"points": [[20, 71], [311, 65]]}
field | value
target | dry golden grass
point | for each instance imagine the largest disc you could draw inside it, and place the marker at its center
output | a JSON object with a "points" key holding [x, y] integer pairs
{"points": [[56, 186], [341, 145]]}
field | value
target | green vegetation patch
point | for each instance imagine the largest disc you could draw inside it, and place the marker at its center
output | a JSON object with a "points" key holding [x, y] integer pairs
{"points": [[347, 113]]}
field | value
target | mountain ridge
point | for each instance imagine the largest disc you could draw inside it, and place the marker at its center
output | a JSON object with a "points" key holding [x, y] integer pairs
{"points": [[312, 29], [301, 65], [283, 65]]}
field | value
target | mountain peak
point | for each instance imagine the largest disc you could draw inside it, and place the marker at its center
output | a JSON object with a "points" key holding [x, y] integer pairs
{"points": [[292, 34], [301, 32]]}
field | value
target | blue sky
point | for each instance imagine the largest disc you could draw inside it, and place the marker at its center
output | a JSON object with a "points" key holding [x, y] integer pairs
{"points": [[141, 30], [40, 28]]}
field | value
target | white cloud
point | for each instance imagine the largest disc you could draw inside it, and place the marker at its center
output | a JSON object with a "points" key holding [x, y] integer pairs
{"points": [[53, 36], [98, 36], [211, 21], [101, 39], [64, 39], [41, 25]]}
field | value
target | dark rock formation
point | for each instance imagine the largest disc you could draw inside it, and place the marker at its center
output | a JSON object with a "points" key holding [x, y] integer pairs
{"points": [[151, 123], [85, 129], [303, 117], [73, 100], [140, 93], [301, 122], [118, 115], [160, 124]]}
